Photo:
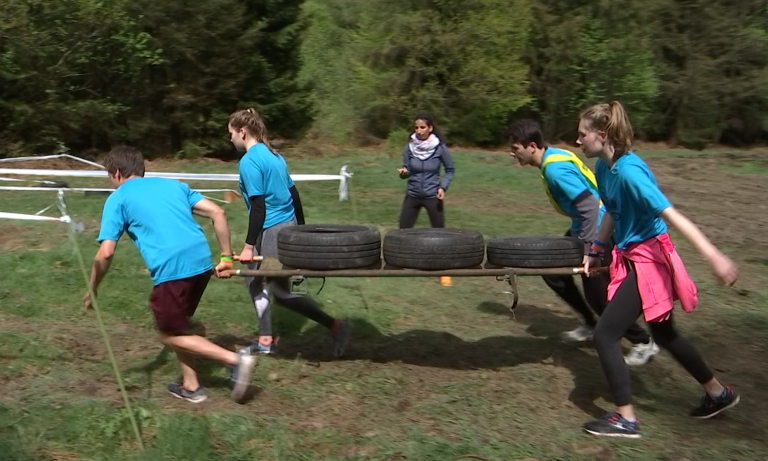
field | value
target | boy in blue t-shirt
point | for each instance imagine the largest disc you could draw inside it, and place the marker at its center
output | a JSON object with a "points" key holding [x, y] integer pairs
{"points": [[573, 192], [156, 213]]}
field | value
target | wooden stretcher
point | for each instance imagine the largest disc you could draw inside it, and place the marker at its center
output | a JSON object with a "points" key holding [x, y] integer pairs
{"points": [[502, 274]]}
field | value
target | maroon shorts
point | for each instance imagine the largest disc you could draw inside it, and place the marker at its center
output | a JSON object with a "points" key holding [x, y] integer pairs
{"points": [[175, 302]]}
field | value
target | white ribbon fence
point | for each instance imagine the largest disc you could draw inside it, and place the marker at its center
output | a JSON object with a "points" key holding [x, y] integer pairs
{"points": [[343, 178]]}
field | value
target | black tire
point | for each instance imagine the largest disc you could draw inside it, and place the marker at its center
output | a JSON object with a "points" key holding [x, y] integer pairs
{"points": [[535, 252], [434, 249], [329, 247]]}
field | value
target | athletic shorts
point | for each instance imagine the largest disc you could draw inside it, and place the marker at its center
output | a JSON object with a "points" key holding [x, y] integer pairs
{"points": [[175, 302]]}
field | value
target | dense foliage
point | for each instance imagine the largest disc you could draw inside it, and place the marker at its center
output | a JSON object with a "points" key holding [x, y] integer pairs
{"points": [[87, 74]]}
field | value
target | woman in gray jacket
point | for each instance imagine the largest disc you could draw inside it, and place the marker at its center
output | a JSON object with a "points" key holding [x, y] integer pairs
{"points": [[423, 155]]}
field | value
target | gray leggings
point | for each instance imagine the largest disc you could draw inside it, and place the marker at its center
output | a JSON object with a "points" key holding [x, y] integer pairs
{"points": [[260, 289]]}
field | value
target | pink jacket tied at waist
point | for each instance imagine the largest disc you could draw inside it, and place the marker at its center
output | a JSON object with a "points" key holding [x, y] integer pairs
{"points": [[661, 277]]}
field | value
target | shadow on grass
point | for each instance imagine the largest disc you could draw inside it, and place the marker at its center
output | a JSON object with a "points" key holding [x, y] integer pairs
{"points": [[209, 372], [445, 350]]}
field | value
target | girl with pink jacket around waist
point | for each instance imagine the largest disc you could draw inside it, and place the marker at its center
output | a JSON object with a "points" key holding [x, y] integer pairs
{"points": [[647, 274]]}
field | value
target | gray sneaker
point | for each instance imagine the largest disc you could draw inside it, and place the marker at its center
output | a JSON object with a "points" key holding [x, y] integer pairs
{"points": [[641, 353], [580, 334], [341, 338], [178, 391], [242, 374]]}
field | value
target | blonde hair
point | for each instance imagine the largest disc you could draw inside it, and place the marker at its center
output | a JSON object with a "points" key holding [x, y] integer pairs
{"points": [[612, 119], [252, 123]]}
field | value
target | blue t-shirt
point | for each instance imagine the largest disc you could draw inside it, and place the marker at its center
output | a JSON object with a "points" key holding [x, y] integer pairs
{"points": [[566, 183], [265, 173], [157, 215], [632, 197]]}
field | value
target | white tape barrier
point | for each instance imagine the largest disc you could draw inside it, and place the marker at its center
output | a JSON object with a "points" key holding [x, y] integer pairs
{"points": [[92, 189], [49, 157], [30, 217], [342, 177]]}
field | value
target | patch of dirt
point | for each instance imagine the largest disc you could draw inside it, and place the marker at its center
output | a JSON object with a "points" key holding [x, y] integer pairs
{"points": [[85, 348], [60, 455], [14, 237], [730, 208]]}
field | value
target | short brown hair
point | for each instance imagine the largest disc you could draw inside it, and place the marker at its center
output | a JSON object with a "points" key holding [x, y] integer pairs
{"points": [[127, 160], [525, 131]]}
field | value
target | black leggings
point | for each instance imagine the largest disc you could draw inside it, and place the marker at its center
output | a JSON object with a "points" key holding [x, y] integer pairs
{"points": [[621, 312], [411, 207], [596, 292]]}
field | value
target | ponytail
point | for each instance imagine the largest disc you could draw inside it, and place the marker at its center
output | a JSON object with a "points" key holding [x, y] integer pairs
{"points": [[250, 120], [613, 119]]}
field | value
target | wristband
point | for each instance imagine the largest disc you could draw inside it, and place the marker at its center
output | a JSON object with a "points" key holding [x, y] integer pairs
{"points": [[598, 243], [596, 249], [226, 259]]}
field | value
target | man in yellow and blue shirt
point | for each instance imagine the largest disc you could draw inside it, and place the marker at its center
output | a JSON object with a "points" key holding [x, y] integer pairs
{"points": [[572, 191]]}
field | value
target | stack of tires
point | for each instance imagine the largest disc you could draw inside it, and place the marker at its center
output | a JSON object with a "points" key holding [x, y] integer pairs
{"points": [[340, 247]]}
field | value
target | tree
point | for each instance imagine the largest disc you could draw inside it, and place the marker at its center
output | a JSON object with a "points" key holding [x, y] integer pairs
{"points": [[374, 66]]}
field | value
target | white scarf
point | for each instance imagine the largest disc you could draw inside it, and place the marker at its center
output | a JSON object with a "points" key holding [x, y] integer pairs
{"points": [[422, 150]]}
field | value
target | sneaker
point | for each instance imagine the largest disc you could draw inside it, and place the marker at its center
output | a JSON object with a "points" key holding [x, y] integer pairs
{"points": [[613, 425], [241, 375], [341, 338], [178, 391], [258, 348], [583, 333], [641, 353], [712, 406]]}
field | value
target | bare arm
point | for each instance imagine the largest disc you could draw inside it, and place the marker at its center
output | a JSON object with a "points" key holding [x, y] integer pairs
{"points": [[210, 210], [606, 228], [721, 265], [101, 262], [690, 232]]}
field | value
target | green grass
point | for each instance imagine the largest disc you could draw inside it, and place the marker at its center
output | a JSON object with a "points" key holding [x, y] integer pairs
{"points": [[751, 167], [433, 373]]}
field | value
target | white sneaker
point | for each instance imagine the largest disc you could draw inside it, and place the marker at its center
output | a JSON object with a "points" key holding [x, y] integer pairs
{"points": [[641, 353], [580, 334]]}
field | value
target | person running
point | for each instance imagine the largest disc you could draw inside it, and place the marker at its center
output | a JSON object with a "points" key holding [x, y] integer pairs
{"points": [[572, 191], [647, 274], [157, 215], [422, 158], [273, 204]]}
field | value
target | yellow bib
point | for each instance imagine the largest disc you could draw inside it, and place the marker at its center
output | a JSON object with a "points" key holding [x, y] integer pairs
{"points": [[570, 157]]}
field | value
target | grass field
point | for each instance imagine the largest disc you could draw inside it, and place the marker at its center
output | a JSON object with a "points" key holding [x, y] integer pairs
{"points": [[432, 373]]}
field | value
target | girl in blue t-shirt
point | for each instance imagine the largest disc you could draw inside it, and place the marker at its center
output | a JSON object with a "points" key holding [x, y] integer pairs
{"points": [[647, 275], [273, 204]]}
